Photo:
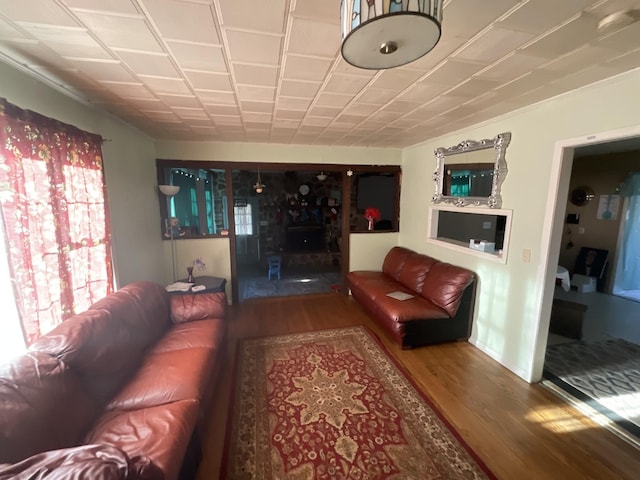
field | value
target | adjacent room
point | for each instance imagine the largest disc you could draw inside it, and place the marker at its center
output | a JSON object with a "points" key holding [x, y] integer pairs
{"points": [[319, 239]]}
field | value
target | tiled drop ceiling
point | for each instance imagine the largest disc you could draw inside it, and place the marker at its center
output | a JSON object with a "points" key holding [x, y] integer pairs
{"points": [[271, 71]]}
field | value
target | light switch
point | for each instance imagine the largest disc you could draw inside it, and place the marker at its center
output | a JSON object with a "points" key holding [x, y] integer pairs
{"points": [[581, 230], [526, 255]]}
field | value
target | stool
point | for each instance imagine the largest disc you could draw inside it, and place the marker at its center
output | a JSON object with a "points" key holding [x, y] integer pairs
{"points": [[273, 263]]}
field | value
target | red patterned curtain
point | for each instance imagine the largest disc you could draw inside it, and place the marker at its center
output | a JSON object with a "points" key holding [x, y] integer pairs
{"points": [[54, 208]]}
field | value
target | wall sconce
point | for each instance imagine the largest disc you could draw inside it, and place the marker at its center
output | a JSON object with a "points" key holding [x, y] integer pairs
{"points": [[321, 176], [259, 186]]}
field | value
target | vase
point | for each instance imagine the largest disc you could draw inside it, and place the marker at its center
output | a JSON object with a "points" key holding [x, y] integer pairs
{"points": [[189, 274], [370, 227]]}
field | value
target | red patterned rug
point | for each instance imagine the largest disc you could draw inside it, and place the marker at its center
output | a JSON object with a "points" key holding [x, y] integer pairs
{"points": [[332, 404]]}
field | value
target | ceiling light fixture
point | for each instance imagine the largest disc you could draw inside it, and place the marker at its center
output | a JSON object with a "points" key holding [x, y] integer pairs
{"points": [[376, 36], [321, 176], [617, 20], [259, 186]]}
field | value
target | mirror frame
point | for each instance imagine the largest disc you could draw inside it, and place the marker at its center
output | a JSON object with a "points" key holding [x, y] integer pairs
{"points": [[499, 143]]}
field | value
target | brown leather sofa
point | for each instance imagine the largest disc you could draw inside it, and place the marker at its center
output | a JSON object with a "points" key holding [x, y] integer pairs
{"points": [[116, 392], [443, 298]]}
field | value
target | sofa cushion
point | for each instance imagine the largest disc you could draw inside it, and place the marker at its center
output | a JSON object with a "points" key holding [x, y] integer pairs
{"points": [[166, 377], [98, 348], [198, 306], [159, 433], [44, 407], [142, 308], [195, 334], [445, 284], [95, 462], [414, 270], [394, 261]]}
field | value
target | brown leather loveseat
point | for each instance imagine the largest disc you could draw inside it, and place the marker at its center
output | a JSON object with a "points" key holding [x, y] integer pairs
{"points": [[115, 392], [441, 307]]}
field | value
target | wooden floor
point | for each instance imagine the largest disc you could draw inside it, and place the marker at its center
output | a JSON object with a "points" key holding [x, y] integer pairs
{"points": [[520, 431]]}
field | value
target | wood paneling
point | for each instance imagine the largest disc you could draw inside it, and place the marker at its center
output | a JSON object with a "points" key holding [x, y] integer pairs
{"points": [[520, 431]]}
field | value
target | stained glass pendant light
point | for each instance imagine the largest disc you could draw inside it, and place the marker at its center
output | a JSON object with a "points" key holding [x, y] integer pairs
{"points": [[378, 34]]}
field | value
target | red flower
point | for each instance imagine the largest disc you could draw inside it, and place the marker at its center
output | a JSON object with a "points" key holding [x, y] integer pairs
{"points": [[372, 213]]}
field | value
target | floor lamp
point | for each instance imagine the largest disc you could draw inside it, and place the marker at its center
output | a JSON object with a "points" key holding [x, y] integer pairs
{"points": [[171, 191]]}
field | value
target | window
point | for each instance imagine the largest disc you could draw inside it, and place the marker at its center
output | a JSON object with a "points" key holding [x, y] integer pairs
{"points": [[379, 190], [199, 207], [54, 208], [243, 217]]}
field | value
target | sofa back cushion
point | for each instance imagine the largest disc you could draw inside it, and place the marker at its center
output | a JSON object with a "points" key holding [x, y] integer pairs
{"points": [[100, 349], [43, 406], [445, 284], [394, 261], [198, 306], [105, 344], [414, 270], [142, 308]]}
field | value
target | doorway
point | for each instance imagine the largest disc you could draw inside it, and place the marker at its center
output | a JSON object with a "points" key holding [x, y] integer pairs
{"points": [[593, 364], [293, 222]]}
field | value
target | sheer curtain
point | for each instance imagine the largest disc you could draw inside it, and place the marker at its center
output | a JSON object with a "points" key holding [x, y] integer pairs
{"points": [[627, 277], [54, 207]]}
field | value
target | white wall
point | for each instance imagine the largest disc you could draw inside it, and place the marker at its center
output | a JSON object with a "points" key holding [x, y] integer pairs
{"points": [[129, 163], [510, 323], [367, 250]]}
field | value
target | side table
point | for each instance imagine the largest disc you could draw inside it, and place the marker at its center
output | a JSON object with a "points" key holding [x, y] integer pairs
{"points": [[212, 284]]}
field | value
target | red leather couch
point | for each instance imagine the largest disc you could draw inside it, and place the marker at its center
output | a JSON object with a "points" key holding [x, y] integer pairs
{"points": [[116, 392], [443, 298]]}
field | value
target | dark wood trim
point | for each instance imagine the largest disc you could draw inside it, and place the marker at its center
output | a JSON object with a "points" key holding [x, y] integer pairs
{"points": [[235, 298], [346, 230]]}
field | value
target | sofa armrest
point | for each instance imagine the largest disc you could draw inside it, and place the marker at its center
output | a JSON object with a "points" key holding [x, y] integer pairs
{"points": [[97, 462], [198, 306]]}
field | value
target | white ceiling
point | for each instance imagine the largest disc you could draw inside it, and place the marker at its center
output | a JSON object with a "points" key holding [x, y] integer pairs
{"points": [[271, 71]]}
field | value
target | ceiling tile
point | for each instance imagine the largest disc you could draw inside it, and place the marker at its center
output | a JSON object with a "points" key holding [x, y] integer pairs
{"points": [[290, 114], [252, 15], [175, 86], [324, 111], [253, 47], [149, 64], [452, 72], [578, 59], [249, 92], [180, 101], [525, 84], [346, 84], [359, 108], [129, 90], [112, 70], [396, 79], [333, 99], [378, 96], [255, 75], [494, 44], [37, 11], [228, 120], [170, 18], [400, 106], [198, 57], [292, 103], [304, 68], [259, 107], [113, 6], [222, 109], [565, 39], [465, 18], [473, 87], [292, 88], [121, 32], [314, 38], [511, 67], [217, 98], [190, 113], [209, 80], [423, 91], [68, 42], [254, 117], [538, 16], [8, 31], [621, 40], [326, 10]]}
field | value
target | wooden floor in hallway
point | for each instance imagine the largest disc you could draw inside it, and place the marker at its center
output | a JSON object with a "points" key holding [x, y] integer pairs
{"points": [[520, 431]]}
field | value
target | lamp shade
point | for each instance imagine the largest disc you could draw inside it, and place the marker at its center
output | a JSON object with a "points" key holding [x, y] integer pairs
{"points": [[169, 190], [378, 34]]}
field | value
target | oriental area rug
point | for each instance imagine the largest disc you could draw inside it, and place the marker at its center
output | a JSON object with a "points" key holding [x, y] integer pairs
{"points": [[332, 404]]}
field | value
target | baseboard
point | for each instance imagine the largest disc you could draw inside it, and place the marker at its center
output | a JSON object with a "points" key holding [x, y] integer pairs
{"points": [[499, 358]]}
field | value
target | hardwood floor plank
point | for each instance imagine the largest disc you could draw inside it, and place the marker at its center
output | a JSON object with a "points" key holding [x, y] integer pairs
{"points": [[519, 430]]}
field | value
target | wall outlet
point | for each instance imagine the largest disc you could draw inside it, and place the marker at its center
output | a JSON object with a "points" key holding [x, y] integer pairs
{"points": [[526, 255], [581, 230]]}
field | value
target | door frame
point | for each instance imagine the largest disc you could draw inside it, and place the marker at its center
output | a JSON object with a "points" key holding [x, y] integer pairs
{"points": [[552, 229]]}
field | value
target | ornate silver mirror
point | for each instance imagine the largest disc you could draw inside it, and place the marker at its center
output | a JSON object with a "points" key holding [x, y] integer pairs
{"points": [[471, 173]]}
